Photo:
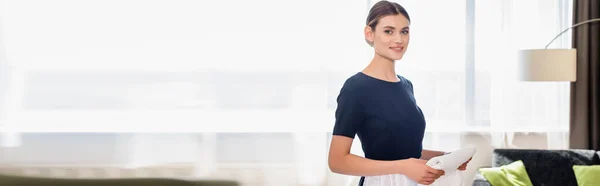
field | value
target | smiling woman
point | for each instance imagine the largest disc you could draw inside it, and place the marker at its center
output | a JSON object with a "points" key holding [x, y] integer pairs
{"points": [[379, 107]]}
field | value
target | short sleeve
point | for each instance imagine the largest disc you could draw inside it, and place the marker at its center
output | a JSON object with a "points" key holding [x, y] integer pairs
{"points": [[412, 90], [349, 114]]}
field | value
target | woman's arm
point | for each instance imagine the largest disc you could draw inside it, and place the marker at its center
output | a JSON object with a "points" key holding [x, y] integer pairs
{"points": [[428, 154], [341, 161]]}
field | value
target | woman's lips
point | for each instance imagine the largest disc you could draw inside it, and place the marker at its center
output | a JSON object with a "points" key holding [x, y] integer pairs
{"points": [[397, 49]]}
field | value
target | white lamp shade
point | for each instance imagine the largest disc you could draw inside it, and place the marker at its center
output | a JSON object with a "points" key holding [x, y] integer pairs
{"points": [[547, 65]]}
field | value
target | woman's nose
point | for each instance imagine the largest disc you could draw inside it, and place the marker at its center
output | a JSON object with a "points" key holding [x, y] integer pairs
{"points": [[398, 39]]}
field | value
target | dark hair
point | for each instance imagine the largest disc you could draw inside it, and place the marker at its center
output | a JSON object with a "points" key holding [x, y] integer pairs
{"points": [[384, 8]]}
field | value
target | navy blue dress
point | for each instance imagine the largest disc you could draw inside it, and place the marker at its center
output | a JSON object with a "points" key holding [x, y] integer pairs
{"points": [[384, 115]]}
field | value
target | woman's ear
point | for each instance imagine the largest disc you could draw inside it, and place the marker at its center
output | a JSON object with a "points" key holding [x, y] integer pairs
{"points": [[369, 35]]}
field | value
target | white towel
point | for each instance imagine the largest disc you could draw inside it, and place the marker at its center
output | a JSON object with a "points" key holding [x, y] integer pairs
{"points": [[449, 163]]}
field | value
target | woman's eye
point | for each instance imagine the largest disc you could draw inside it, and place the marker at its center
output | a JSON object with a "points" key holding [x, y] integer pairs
{"points": [[404, 31], [388, 32]]}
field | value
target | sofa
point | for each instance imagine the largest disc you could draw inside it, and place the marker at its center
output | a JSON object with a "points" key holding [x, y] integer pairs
{"points": [[544, 167], [14, 180]]}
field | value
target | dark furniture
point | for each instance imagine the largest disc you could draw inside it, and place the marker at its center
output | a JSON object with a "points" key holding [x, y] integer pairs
{"points": [[544, 167]]}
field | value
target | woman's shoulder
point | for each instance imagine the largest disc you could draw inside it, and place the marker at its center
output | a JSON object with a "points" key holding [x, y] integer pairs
{"points": [[356, 81], [354, 86], [407, 82]]}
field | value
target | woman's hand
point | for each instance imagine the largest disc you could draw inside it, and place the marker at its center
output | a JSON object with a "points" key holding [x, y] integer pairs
{"points": [[464, 165], [417, 170]]}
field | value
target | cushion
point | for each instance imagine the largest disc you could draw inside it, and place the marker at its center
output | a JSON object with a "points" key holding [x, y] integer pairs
{"points": [[511, 174], [547, 167], [587, 174]]}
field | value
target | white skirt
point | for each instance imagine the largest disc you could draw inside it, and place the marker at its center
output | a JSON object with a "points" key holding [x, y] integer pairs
{"points": [[449, 163], [389, 180], [452, 178]]}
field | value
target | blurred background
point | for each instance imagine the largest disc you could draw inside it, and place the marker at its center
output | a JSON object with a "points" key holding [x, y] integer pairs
{"points": [[246, 90]]}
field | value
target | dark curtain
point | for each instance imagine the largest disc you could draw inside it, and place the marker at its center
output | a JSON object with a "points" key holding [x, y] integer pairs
{"points": [[585, 92]]}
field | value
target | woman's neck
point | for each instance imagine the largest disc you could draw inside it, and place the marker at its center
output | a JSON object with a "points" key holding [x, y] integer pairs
{"points": [[382, 68]]}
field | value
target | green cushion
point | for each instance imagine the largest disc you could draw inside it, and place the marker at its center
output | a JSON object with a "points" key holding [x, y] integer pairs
{"points": [[512, 174], [587, 174]]}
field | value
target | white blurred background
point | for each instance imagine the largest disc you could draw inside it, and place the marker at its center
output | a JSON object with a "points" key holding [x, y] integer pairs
{"points": [[246, 90]]}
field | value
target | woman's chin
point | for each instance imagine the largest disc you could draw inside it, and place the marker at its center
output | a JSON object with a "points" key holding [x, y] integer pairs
{"points": [[396, 57], [392, 56]]}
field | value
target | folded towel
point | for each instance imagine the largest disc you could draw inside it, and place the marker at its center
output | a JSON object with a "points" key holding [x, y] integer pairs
{"points": [[449, 163]]}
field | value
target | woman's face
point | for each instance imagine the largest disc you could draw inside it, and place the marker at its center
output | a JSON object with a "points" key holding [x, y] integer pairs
{"points": [[390, 37]]}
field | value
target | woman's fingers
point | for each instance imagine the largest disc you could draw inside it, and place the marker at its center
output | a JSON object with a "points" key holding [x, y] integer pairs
{"points": [[426, 182]]}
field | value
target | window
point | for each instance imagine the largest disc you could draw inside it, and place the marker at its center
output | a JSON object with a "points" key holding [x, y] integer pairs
{"points": [[99, 67], [115, 71], [126, 69]]}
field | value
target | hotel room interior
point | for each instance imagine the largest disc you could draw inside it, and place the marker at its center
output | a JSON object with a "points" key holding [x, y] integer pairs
{"points": [[243, 92]]}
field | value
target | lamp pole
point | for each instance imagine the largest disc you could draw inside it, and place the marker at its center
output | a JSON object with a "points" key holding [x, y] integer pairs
{"points": [[575, 25]]}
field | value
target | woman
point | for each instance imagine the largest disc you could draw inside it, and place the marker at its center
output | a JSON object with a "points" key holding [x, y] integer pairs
{"points": [[379, 107]]}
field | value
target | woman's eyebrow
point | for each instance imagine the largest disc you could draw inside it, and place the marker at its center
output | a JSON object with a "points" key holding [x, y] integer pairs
{"points": [[390, 27]]}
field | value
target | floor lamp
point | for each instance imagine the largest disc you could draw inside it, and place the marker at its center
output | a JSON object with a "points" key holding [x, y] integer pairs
{"points": [[549, 64]]}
